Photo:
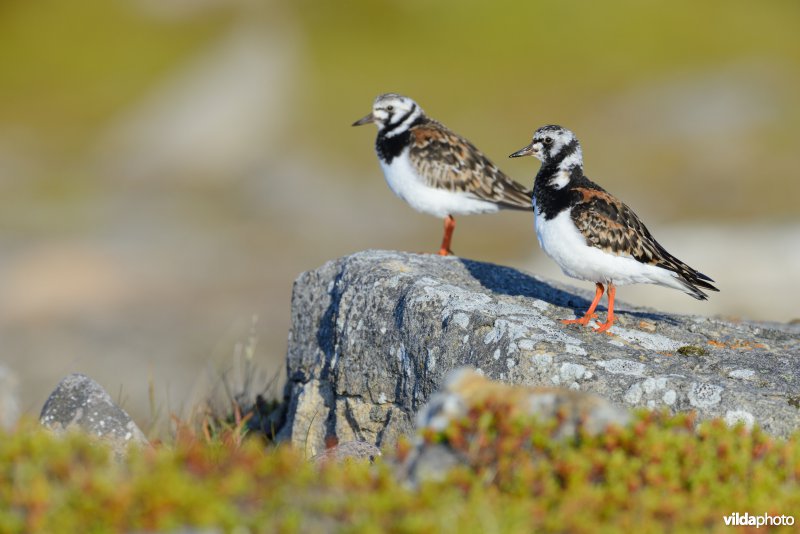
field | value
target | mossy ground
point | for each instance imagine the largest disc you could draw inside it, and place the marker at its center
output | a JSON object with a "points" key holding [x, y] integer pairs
{"points": [[658, 474]]}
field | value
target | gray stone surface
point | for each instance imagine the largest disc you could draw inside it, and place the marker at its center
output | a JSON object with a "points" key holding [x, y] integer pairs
{"points": [[9, 402], [373, 335], [429, 463], [80, 403], [354, 450]]}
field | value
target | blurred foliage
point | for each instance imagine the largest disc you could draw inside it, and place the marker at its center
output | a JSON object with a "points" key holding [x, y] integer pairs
{"points": [[546, 56], [495, 71], [67, 68], [658, 474], [492, 70]]}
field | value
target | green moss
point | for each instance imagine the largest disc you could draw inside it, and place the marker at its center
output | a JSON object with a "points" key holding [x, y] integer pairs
{"points": [[691, 350], [659, 473]]}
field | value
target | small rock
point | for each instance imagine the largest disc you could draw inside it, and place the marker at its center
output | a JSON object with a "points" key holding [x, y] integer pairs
{"points": [[78, 402], [465, 388], [429, 463]]}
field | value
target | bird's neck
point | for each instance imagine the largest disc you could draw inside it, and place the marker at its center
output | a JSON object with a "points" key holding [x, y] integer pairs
{"points": [[552, 189], [394, 138], [389, 148]]}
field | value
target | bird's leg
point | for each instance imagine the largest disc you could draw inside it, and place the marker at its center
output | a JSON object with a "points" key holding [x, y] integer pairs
{"points": [[449, 226], [589, 315], [610, 318]]}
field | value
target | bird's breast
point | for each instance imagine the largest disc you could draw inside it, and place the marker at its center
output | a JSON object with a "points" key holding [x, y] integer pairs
{"points": [[405, 181]]}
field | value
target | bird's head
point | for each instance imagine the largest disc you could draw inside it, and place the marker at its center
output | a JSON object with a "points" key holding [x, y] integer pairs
{"points": [[552, 143], [392, 113]]}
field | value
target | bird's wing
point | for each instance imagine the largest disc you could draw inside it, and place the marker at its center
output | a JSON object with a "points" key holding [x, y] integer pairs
{"points": [[610, 225], [450, 162]]}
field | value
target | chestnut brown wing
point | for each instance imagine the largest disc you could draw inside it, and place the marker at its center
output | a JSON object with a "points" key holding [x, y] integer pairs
{"points": [[612, 226], [450, 162]]}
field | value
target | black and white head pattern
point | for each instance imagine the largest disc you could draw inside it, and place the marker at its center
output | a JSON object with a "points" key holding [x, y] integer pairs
{"points": [[560, 153], [394, 114], [556, 145]]}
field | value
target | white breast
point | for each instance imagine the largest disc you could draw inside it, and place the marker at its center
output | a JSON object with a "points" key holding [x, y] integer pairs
{"points": [[406, 184], [561, 240]]}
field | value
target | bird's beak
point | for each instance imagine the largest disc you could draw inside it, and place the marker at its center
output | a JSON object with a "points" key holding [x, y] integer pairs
{"points": [[527, 151], [366, 120]]}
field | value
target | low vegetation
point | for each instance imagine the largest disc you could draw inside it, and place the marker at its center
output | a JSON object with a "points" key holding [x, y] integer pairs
{"points": [[660, 473]]}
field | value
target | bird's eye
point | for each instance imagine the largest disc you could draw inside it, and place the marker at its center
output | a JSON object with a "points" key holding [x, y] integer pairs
{"points": [[389, 108], [548, 140]]}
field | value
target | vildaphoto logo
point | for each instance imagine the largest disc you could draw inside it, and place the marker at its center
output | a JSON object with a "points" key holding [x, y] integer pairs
{"points": [[746, 520]]}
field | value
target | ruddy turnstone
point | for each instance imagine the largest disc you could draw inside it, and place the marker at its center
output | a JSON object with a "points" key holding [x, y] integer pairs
{"points": [[591, 234], [435, 170]]}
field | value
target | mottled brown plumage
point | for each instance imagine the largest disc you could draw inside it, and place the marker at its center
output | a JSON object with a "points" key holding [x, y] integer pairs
{"points": [[612, 226], [435, 170], [591, 234], [448, 161]]}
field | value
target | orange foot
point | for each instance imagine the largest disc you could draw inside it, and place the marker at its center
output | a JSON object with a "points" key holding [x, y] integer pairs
{"points": [[583, 321], [590, 314], [605, 326], [612, 291], [445, 252]]}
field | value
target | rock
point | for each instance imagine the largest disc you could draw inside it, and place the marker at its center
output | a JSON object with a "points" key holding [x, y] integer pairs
{"points": [[466, 390], [429, 463], [373, 335], [9, 402], [355, 450], [78, 402]]}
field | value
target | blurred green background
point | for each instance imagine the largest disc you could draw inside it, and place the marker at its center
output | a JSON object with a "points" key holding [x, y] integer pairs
{"points": [[168, 168]]}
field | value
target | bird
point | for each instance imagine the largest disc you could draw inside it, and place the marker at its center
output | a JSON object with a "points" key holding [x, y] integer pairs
{"points": [[435, 170], [591, 234]]}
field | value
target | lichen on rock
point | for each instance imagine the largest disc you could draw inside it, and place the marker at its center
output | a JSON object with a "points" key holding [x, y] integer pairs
{"points": [[374, 334]]}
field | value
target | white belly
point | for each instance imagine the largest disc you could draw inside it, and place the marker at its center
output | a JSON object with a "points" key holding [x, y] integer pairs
{"points": [[562, 241], [405, 183]]}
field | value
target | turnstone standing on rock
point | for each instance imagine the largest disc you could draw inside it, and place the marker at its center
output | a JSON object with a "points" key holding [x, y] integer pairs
{"points": [[593, 236], [435, 170]]}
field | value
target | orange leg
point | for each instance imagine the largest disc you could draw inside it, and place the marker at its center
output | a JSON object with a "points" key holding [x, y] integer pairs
{"points": [[610, 318], [449, 226], [589, 315]]}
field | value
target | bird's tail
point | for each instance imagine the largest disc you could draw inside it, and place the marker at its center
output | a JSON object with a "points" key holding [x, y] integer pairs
{"points": [[692, 280]]}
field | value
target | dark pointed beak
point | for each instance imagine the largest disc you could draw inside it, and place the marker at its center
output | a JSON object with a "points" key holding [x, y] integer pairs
{"points": [[366, 120], [527, 151]]}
